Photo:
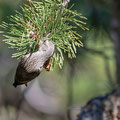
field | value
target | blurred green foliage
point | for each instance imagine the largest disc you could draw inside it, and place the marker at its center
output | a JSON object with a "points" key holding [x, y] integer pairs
{"points": [[92, 73]]}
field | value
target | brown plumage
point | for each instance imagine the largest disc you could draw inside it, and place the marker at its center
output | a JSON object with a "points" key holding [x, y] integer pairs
{"points": [[31, 65]]}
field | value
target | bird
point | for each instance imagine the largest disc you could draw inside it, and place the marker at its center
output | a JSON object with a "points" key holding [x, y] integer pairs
{"points": [[31, 65]]}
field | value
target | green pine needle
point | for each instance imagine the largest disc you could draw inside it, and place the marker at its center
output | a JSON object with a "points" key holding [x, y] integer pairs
{"points": [[46, 19]]}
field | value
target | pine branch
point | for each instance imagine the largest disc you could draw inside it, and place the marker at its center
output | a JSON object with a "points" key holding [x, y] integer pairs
{"points": [[48, 19]]}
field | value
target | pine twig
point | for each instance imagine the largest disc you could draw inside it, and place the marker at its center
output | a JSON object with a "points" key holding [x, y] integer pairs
{"points": [[47, 19]]}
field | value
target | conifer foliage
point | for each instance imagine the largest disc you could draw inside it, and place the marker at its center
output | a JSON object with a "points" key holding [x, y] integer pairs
{"points": [[47, 19]]}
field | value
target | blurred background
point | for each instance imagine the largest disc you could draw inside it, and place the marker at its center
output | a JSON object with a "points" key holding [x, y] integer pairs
{"points": [[94, 72]]}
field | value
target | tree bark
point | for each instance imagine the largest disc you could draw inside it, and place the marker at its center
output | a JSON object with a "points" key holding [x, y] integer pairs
{"points": [[115, 35]]}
